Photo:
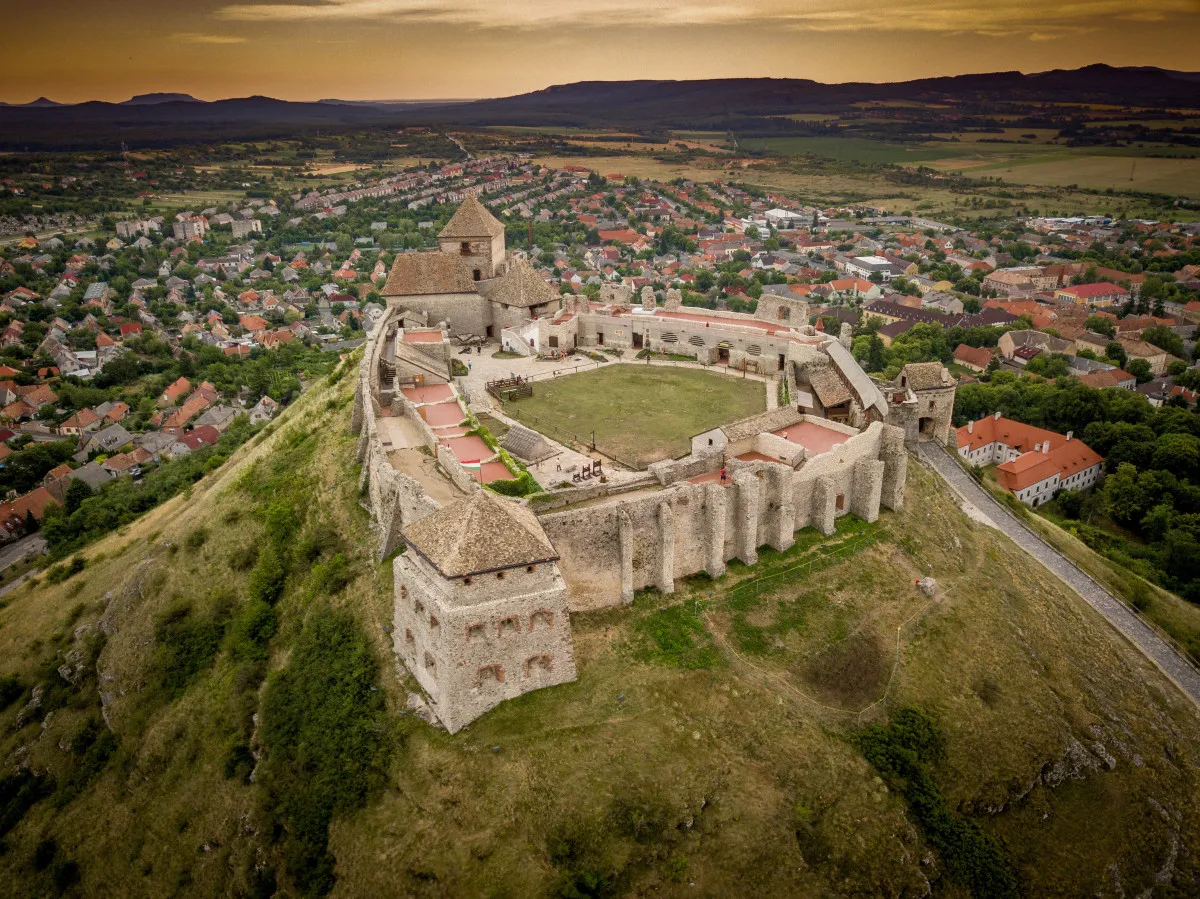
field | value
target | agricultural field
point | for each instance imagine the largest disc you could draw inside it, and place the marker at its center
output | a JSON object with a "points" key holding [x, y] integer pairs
{"points": [[1036, 160], [1091, 170], [639, 414]]}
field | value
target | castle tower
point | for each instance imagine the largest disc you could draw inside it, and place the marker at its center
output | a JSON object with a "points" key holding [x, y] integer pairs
{"points": [[480, 607], [477, 237]]}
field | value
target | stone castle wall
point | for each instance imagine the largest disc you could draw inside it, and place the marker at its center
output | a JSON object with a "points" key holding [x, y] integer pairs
{"points": [[393, 499], [609, 550]]}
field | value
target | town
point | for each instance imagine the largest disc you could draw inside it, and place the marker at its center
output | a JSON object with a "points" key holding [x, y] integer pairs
{"points": [[95, 326]]}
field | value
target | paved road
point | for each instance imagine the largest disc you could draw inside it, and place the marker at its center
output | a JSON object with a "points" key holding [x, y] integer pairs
{"points": [[26, 546], [1185, 675]]}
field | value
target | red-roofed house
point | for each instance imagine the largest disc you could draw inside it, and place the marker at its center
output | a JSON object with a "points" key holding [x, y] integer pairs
{"points": [[206, 435], [1033, 463], [34, 502], [1102, 294], [79, 422], [974, 358], [171, 395]]}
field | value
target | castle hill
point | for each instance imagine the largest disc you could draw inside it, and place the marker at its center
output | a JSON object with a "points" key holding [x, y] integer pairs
{"points": [[641, 469]]}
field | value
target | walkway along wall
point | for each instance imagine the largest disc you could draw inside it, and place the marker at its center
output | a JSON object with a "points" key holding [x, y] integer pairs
{"points": [[393, 499]]}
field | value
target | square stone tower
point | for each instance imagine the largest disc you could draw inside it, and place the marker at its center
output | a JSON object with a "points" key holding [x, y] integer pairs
{"points": [[477, 237], [480, 607]]}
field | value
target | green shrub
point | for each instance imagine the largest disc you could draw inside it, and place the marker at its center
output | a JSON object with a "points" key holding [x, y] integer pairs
{"points": [[332, 576], [43, 853], [92, 745], [196, 538], [268, 578], [65, 874], [19, 792], [902, 752], [11, 689], [56, 574], [186, 645], [324, 736], [251, 631], [523, 484]]}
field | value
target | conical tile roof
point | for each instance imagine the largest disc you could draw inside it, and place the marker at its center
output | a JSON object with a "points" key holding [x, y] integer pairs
{"points": [[478, 534], [472, 219]]}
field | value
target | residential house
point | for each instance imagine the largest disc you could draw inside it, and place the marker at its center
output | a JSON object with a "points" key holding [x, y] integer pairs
{"points": [[172, 394], [1157, 358], [1100, 295], [194, 440], [1031, 463], [976, 359]]}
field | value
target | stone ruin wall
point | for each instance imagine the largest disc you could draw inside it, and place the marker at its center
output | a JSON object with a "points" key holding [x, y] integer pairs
{"points": [[614, 548], [393, 499], [608, 551]]}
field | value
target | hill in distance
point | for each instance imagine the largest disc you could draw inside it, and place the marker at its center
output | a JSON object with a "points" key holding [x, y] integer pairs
{"points": [[212, 705], [730, 103], [155, 99]]}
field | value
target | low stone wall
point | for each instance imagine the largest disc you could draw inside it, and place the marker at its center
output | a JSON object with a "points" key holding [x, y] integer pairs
{"points": [[671, 471], [462, 479], [409, 411], [393, 499], [567, 497]]}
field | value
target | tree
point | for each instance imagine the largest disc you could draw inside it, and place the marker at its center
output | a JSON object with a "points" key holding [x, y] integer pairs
{"points": [[1140, 369], [1099, 324], [1178, 454], [77, 492], [1165, 339], [1127, 502], [876, 358], [1115, 353]]}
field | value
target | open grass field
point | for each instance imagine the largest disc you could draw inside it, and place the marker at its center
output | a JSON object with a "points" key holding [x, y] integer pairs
{"points": [[1036, 162], [1180, 177], [849, 148], [824, 188], [706, 748], [639, 413]]}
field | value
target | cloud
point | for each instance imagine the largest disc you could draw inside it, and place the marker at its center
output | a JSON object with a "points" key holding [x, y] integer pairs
{"points": [[1033, 18], [195, 37]]}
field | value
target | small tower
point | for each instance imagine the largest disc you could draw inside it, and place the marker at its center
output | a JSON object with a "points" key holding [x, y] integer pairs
{"points": [[480, 607], [475, 235]]}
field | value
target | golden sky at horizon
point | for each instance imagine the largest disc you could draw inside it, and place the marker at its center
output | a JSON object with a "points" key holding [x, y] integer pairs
{"points": [[420, 49]]}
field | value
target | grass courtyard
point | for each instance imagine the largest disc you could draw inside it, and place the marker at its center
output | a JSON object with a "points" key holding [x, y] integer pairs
{"points": [[640, 413]]}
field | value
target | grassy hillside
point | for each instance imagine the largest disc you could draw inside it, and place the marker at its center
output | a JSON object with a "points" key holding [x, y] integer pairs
{"points": [[716, 743]]}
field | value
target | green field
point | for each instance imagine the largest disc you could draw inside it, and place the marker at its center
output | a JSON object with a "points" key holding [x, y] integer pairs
{"points": [[859, 149], [1036, 162], [1099, 171], [639, 413]]}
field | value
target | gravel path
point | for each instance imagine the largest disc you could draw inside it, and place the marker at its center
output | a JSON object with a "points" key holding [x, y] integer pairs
{"points": [[1184, 674]]}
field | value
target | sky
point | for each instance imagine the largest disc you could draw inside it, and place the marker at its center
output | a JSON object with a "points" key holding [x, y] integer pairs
{"points": [[75, 50]]}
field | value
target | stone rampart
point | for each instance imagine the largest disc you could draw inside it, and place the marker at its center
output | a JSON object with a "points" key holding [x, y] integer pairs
{"points": [[393, 499]]}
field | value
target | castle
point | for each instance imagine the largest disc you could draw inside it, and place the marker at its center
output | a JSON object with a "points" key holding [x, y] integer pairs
{"points": [[485, 586]]}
